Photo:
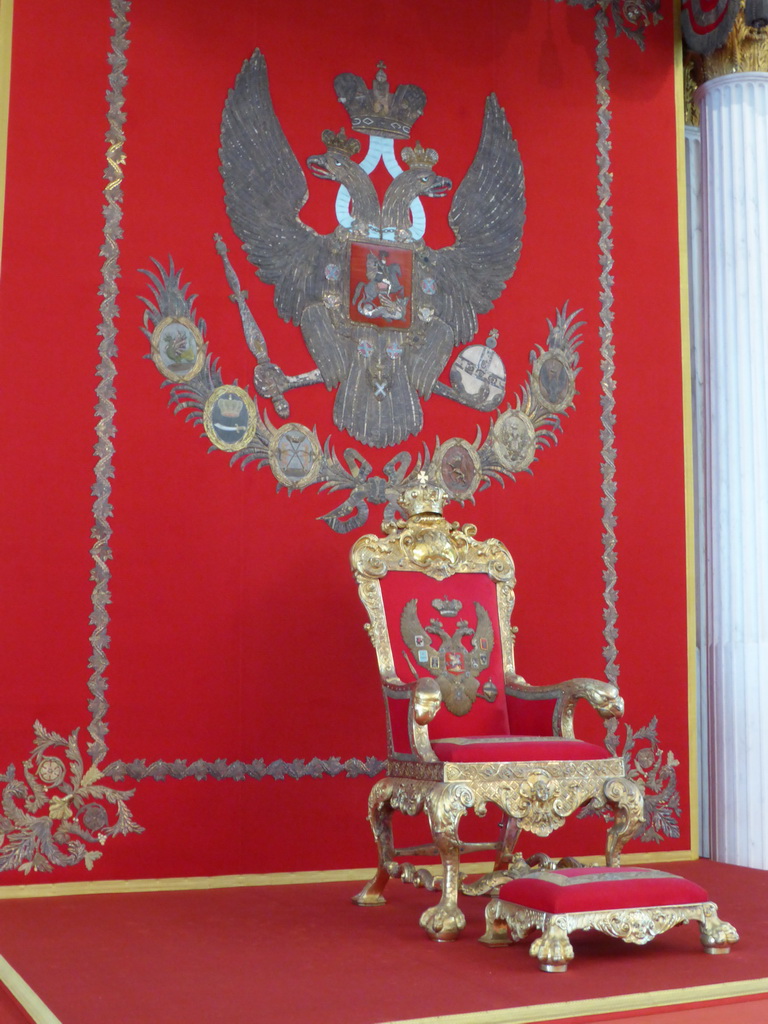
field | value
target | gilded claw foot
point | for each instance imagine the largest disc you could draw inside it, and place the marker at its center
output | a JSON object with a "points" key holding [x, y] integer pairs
{"points": [[716, 936], [443, 922], [553, 949]]}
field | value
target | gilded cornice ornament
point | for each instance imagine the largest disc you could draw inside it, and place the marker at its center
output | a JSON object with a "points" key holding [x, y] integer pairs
{"points": [[630, 17], [743, 49]]}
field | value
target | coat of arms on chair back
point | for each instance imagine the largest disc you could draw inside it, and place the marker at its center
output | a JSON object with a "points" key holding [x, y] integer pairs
{"points": [[439, 604]]}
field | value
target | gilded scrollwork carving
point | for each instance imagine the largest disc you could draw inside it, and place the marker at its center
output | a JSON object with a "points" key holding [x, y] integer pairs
{"points": [[505, 924], [428, 543], [504, 773], [622, 798], [538, 802], [541, 802]]}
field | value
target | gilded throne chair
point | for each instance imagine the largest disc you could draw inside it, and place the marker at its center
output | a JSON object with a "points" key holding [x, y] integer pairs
{"points": [[459, 717]]}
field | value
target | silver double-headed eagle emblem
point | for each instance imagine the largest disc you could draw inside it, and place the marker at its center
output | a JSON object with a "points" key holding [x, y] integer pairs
{"points": [[444, 657], [381, 313], [379, 310]]}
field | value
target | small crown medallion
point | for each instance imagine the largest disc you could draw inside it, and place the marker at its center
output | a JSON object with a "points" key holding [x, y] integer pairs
{"points": [[377, 111], [341, 142], [449, 609], [417, 156], [230, 407], [424, 497]]}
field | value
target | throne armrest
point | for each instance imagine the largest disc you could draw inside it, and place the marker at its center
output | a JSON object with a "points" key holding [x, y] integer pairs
{"points": [[603, 696], [425, 703], [424, 700]]}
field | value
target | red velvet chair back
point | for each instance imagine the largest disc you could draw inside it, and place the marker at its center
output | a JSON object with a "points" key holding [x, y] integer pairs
{"points": [[459, 595]]}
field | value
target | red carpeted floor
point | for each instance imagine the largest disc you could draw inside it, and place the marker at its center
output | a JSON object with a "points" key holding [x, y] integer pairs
{"points": [[305, 953]]}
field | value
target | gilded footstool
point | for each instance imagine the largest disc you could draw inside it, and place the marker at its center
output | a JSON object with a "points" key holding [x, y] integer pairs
{"points": [[633, 904]]}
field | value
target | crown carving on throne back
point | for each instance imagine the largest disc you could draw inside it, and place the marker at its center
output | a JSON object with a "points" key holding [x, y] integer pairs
{"points": [[377, 111], [424, 498], [428, 542]]}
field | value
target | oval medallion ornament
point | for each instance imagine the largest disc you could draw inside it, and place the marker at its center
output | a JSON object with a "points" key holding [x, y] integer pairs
{"points": [[178, 349], [478, 375], [514, 440], [294, 455], [457, 468], [553, 380], [229, 418]]}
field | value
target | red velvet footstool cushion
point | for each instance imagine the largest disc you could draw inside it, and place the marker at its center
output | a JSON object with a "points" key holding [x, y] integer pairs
{"points": [[576, 890]]}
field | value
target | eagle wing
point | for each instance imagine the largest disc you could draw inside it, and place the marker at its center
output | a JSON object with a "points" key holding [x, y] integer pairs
{"points": [[411, 629], [487, 217], [265, 189], [484, 631]]}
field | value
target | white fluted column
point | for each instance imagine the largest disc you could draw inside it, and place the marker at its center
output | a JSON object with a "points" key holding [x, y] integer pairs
{"points": [[734, 149]]}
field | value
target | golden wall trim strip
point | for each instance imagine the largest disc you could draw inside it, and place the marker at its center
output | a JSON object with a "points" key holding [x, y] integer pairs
{"points": [[6, 35]]}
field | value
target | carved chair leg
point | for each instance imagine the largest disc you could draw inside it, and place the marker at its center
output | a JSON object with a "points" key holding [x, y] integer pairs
{"points": [[380, 816], [445, 806], [497, 925], [511, 831], [625, 798]]}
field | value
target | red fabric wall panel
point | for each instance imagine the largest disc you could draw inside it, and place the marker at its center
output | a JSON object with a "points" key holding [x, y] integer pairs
{"points": [[236, 632]]}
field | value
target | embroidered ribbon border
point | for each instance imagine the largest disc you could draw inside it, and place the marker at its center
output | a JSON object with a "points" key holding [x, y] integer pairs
{"points": [[314, 768]]}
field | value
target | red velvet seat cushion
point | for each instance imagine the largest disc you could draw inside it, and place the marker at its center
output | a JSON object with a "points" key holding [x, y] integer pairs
{"points": [[573, 890], [516, 748]]}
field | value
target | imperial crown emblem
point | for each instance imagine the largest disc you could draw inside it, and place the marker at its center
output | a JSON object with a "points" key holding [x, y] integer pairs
{"points": [[377, 111]]}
